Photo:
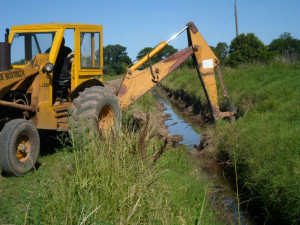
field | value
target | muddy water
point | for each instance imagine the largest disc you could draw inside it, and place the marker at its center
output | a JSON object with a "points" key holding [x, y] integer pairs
{"points": [[177, 126], [180, 124]]}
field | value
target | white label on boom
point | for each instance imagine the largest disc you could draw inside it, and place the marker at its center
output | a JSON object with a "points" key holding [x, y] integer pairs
{"points": [[208, 64]]}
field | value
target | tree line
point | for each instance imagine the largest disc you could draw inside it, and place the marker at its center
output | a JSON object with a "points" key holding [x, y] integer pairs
{"points": [[246, 48]]}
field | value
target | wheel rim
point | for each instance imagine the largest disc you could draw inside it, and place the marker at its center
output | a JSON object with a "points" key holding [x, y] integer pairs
{"points": [[23, 148], [106, 118]]}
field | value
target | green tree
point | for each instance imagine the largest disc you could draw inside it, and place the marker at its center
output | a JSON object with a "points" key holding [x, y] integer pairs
{"points": [[246, 48], [116, 58], [285, 44], [164, 53], [221, 51]]}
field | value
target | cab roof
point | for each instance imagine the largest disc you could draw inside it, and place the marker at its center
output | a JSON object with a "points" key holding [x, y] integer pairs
{"points": [[55, 26]]}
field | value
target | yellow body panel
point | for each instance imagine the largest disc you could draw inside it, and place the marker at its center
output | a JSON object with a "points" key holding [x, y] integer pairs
{"points": [[10, 77], [45, 117]]}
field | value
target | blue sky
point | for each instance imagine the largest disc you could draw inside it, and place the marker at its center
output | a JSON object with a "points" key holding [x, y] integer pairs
{"points": [[136, 24]]}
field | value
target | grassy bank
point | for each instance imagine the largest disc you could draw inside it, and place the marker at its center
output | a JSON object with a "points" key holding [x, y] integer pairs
{"points": [[264, 142], [127, 178], [112, 77]]}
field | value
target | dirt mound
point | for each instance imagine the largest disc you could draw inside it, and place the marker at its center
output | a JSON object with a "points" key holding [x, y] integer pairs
{"points": [[113, 85]]}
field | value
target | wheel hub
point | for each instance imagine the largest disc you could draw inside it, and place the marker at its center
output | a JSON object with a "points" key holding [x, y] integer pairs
{"points": [[106, 118], [23, 148]]}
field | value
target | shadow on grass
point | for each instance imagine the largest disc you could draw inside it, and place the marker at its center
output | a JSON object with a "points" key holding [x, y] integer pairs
{"points": [[53, 141]]}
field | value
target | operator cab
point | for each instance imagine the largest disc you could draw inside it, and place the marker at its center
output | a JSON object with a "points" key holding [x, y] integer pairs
{"points": [[28, 44], [75, 51]]}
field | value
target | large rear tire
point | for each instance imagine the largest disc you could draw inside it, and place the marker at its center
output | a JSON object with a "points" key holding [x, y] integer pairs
{"points": [[20, 147], [96, 108]]}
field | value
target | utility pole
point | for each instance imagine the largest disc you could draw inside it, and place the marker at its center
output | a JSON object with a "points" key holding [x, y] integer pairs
{"points": [[236, 20]]}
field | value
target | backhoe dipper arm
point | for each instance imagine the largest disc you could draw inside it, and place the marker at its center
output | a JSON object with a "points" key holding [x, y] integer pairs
{"points": [[137, 82], [206, 62]]}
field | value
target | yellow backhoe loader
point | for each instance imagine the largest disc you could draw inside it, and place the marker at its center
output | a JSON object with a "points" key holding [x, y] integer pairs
{"points": [[46, 86]]}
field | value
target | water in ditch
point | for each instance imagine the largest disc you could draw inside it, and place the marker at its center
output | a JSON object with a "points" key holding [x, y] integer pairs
{"points": [[179, 123], [177, 126]]}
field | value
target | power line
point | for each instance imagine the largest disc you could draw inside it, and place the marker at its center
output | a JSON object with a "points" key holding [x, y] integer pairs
{"points": [[212, 25], [221, 24], [235, 14], [250, 7]]}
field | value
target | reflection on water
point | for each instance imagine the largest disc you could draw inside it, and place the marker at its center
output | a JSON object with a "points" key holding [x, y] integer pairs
{"points": [[177, 125]]}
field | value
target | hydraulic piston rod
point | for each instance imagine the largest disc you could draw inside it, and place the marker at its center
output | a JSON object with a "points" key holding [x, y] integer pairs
{"points": [[157, 49], [175, 35], [17, 106]]}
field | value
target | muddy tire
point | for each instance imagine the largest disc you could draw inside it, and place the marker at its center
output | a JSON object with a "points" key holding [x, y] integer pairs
{"points": [[96, 108], [20, 147]]}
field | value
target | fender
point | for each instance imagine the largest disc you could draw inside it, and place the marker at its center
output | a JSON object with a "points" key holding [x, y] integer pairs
{"points": [[86, 84]]}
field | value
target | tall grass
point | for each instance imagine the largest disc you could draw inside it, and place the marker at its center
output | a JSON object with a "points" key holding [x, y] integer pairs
{"points": [[287, 57], [266, 135], [107, 183], [119, 179]]}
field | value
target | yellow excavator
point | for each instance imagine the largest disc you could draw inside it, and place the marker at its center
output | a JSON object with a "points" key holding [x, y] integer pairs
{"points": [[45, 85]]}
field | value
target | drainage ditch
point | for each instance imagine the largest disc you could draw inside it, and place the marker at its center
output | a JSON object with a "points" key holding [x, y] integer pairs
{"points": [[184, 124]]}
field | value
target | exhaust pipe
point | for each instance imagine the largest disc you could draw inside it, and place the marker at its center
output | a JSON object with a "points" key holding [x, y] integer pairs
{"points": [[5, 53]]}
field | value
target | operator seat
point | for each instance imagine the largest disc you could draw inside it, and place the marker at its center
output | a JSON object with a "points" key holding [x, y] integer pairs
{"points": [[60, 90], [64, 79]]}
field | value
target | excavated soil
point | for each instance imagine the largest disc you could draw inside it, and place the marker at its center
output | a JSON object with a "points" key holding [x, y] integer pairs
{"points": [[113, 85]]}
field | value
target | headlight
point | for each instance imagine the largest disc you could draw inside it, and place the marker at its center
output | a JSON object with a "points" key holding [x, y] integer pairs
{"points": [[48, 68]]}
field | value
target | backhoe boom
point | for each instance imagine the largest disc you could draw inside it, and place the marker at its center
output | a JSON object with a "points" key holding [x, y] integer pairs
{"points": [[137, 82]]}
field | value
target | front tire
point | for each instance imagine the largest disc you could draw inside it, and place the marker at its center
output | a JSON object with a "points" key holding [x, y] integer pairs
{"points": [[20, 147], [95, 108]]}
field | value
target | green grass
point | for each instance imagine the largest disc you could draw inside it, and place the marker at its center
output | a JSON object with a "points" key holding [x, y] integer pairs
{"points": [[265, 138], [20, 196], [187, 80], [110, 180], [146, 104], [108, 77]]}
